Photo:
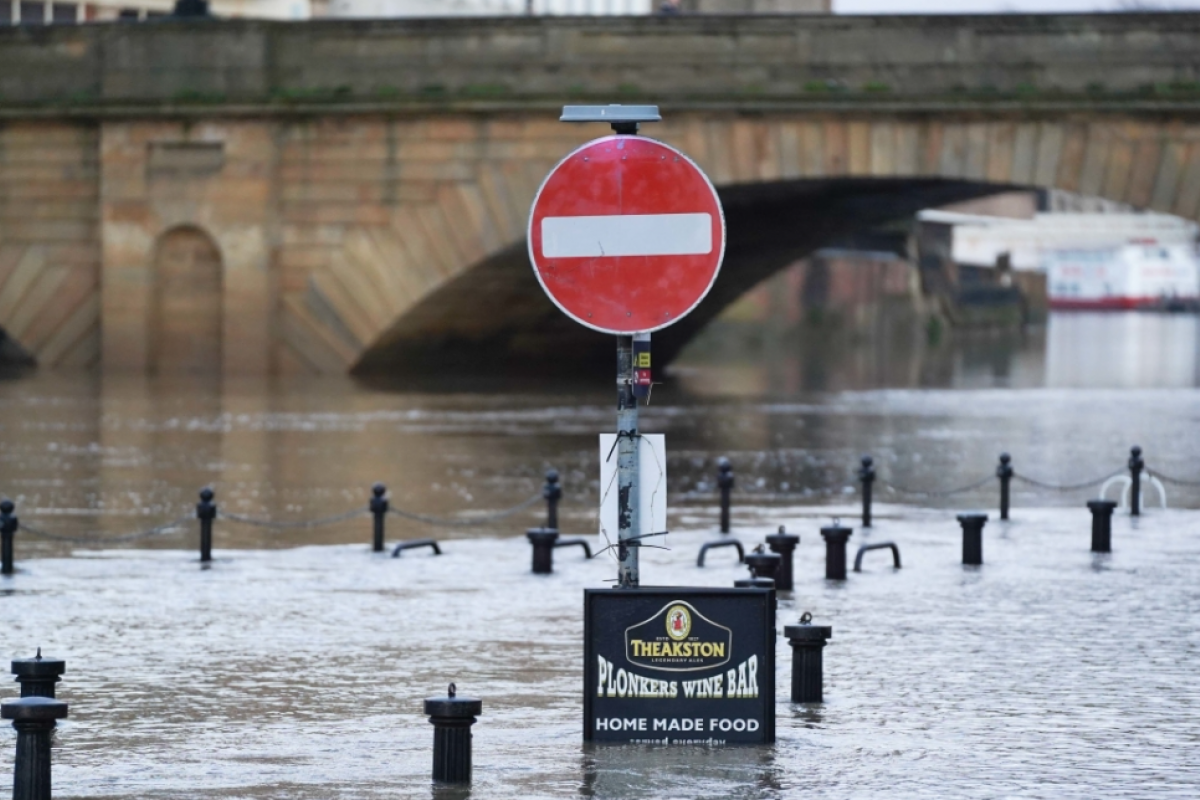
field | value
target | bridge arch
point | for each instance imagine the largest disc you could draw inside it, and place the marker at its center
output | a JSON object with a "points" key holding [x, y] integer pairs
{"points": [[445, 278]]}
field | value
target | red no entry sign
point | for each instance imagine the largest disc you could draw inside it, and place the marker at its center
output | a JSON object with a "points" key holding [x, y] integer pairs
{"points": [[626, 235]]}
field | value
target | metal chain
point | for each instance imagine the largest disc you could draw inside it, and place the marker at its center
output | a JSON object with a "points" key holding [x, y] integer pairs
{"points": [[129, 537], [468, 522], [291, 524], [936, 493], [1066, 488], [1168, 479]]}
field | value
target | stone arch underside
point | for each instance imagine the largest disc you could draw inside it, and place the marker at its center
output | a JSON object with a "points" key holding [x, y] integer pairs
{"points": [[495, 315], [446, 280]]}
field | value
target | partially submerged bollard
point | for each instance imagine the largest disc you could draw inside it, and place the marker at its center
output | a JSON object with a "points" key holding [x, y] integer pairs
{"points": [[808, 670], [836, 538], [452, 717], [1136, 465], [552, 492], [725, 484], [379, 509], [38, 675], [35, 719], [543, 540], [866, 475], [784, 544], [1102, 513], [972, 533], [206, 512], [763, 565], [8, 531], [1004, 472]]}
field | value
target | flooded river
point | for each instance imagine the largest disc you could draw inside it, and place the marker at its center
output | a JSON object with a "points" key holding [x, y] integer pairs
{"points": [[294, 667]]}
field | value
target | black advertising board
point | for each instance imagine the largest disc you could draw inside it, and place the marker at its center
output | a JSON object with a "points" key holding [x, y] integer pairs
{"points": [[674, 666]]}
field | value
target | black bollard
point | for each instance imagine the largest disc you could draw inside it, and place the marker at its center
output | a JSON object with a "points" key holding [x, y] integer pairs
{"points": [[972, 532], [552, 491], [866, 474], [206, 512], [38, 675], [1102, 513], [8, 530], [1004, 472], [34, 718], [452, 718], [763, 565], [808, 671], [543, 540], [1136, 465], [784, 544], [835, 551], [725, 483], [379, 509]]}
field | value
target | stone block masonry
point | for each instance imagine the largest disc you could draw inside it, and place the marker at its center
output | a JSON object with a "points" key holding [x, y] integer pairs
{"points": [[348, 188]]}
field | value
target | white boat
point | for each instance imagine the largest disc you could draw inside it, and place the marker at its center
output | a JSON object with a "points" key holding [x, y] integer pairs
{"points": [[1139, 274]]}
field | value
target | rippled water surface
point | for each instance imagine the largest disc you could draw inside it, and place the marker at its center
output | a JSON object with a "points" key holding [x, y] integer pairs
{"points": [[1048, 672], [294, 667]]}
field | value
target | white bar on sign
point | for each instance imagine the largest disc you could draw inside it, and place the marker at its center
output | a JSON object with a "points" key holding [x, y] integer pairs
{"points": [[627, 235]]}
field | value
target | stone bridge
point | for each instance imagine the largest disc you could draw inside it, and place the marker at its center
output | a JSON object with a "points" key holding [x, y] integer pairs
{"points": [[323, 197]]}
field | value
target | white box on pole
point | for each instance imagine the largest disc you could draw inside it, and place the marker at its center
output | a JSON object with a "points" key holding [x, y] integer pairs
{"points": [[652, 486]]}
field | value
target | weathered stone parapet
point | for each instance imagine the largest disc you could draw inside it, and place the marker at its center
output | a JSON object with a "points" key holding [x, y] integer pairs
{"points": [[812, 62]]}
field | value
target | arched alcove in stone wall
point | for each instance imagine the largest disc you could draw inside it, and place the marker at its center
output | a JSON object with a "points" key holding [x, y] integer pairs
{"points": [[186, 308]]}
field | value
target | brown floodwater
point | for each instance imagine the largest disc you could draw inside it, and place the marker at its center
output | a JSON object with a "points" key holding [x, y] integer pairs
{"points": [[293, 668]]}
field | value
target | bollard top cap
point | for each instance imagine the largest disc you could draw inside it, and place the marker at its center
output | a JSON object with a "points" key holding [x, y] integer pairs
{"points": [[1097, 505], [836, 529], [38, 667], [33, 709], [972, 516], [754, 583], [541, 533], [808, 633], [6, 506], [552, 475], [782, 538], [1135, 450], [379, 490], [1005, 458], [867, 461], [452, 706], [206, 494], [761, 558]]}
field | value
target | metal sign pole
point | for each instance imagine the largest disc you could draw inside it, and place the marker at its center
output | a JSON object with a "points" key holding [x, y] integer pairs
{"points": [[628, 501]]}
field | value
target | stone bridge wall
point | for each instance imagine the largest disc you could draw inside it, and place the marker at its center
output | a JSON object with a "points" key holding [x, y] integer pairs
{"points": [[348, 173]]}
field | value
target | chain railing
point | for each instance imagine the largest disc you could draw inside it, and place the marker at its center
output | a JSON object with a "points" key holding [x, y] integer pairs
{"points": [[1174, 481], [102, 539], [456, 522], [275, 524], [379, 506], [937, 492], [1070, 487], [207, 512]]}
